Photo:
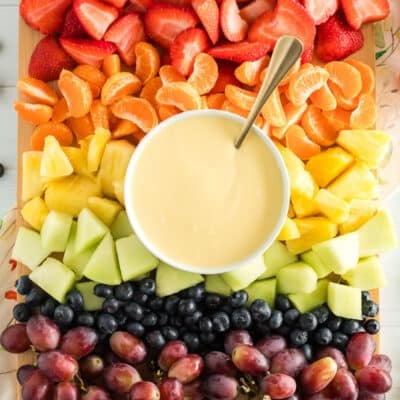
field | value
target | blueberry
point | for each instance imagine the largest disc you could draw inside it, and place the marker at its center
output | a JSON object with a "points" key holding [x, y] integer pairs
{"points": [[298, 337], [212, 301], [156, 304], [85, 319], [110, 306], [75, 300], [308, 351], [63, 314], [238, 299], [23, 285], [147, 286], [241, 318], [334, 323], [290, 316], [372, 326], [192, 320], [140, 298], [176, 321], [107, 323], [276, 319], [227, 308], [260, 310], [192, 341], [124, 291], [370, 308], [322, 313], [134, 311], [121, 317], [36, 297], [48, 307], [308, 322], [366, 296], [170, 333], [284, 330], [282, 303], [207, 337], [205, 324], [171, 304], [155, 340], [220, 321], [136, 328], [196, 292], [186, 307], [21, 312], [323, 336], [162, 318], [350, 326], [339, 340], [149, 319], [102, 290]]}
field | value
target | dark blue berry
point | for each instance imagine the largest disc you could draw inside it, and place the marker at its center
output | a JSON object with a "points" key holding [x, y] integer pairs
{"points": [[334, 323], [121, 317], [147, 286], [48, 307], [162, 318], [23, 285], [155, 340], [171, 304], [284, 330], [276, 319], [176, 321], [282, 303], [156, 304], [372, 326], [290, 316], [308, 351], [241, 318], [322, 313], [140, 298], [366, 295], [196, 292], [187, 307], [85, 319], [63, 315], [205, 324], [21, 312], [102, 290], [350, 327], [212, 301], [298, 337], [370, 308], [207, 337], [107, 323], [260, 310], [323, 336], [36, 297], [149, 319], [134, 311], [308, 322], [192, 320], [339, 340], [136, 328], [169, 332], [75, 300], [124, 291], [238, 299], [110, 306], [192, 341], [220, 321]]}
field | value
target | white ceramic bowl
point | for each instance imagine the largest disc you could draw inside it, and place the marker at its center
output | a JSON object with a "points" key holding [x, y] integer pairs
{"points": [[146, 141]]}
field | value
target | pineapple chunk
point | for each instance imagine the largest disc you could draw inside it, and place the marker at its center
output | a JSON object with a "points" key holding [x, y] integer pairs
{"points": [[360, 212], [291, 213], [96, 148], [55, 163], [333, 207], [71, 194], [119, 192], [358, 182], [105, 209], [77, 159], [34, 212], [329, 164], [369, 146], [289, 230], [32, 184]]}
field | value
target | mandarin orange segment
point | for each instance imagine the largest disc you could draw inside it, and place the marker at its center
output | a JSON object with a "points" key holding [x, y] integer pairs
{"points": [[248, 72], [60, 111], [364, 116], [300, 144], [347, 77], [166, 111], [338, 118], [179, 94], [286, 79], [137, 110], [147, 61], [240, 97], [169, 74], [37, 90], [111, 65], [149, 90], [367, 75], [273, 111], [99, 115], [324, 99], [34, 113], [137, 136], [93, 76], [342, 101], [215, 100], [124, 128], [59, 130], [205, 73], [228, 106], [119, 85], [293, 116], [81, 127]]}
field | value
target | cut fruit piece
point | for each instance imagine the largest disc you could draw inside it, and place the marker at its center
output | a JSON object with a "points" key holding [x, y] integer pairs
{"points": [[91, 302], [77, 158], [264, 290], [119, 192], [34, 212], [312, 259], [103, 208], [96, 148], [55, 231], [134, 259], [103, 265], [377, 235], [244, 276], [367, 275], [333, 207], [28, 248], [304, 205], [360, 212], [340, 253], [289, 230], [344, 301], [54, 278], [32, 184], [170, 280], [121, 226], [215, 284], [305, 302], [298, 277], [55, 163]]}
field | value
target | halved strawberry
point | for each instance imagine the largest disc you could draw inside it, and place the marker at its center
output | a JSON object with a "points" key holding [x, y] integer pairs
{"points": [[95, 16], [72, 27], [48, 60], [288, 18], [116, 3], [226, 76], [179, 3], [125, 32], [185, 48], [47, 16], [138, 6], [359, 11], [87, 51], [240, 51], [255, 8], [320, 10], [233, 26], [208, 13], [163, 22]]}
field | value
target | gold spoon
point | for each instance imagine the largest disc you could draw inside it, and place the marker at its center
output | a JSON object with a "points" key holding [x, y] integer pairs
{"points": [[286, 52]]}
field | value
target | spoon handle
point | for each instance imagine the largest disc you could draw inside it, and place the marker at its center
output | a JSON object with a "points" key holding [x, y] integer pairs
{"points": [[286, 52]]}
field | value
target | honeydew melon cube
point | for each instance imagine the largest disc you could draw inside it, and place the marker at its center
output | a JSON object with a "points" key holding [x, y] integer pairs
{"points": [[276, 257], [264, 290], [170, 280], [91, 302], [28, 248], [367, 275], [311, 258], [344, 301], [215, 284], [377, 235], [244, 276], [340, 253], [298, 277], [55, 231], [121, 226], [103, 265], [103, 208], [34, 212], [54, 278], [134, 259], [305, 302]]}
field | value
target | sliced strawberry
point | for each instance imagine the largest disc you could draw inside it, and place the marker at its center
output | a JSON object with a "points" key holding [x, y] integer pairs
{"points": [[47, 16], [116, 3], [125, 32], [87, 51], [163, 22], [320, 10], [233, 26], [288, 18], [208, 13], [185, 48], [72, 26], [179, 3], [95, 16], [336, 39], [138, 6], [226, 76], [359, 11], [48, 60], [255, 8], [240, 51]]}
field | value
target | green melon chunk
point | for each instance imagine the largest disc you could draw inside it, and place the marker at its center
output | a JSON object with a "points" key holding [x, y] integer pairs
{"points": [[298, 277], [305, 302], [344, 301], [55, 231], [312, 259], [121, 227], [215, 284], [90, 300], [264, 290]]}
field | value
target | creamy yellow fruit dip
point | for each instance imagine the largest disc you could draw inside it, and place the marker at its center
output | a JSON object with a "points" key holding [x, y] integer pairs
{"points": [[198, 200]]}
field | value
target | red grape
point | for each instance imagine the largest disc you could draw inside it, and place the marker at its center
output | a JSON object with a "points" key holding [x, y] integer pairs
{"points": [[121, 377], [317, 376], [192, 389], [128, 347], [344, 385], [172, 352], [96, 393], [249, 360], [381, 361], [359, 350], [271, 345], [91, 366], [14, 339], [325, 394], [43, 333], [235, 338], [374, 379], [24, 372], [365, 395], [278, 386], [171, 389], [334, 353], [217, 362], [37, 387], [144, 390], [58, 366], [66, 391], [219, 386], [187, 369], [288, 361], [79, 342]]}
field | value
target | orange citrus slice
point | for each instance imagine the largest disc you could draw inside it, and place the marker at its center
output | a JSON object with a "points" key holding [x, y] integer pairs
{"points": [[124, 128], [147, 61], [342, 101], [248, 72], [60, 111], [111, 65], [179, 94], [99, 115], [119, 85], [169, 74], [93, 76], [324, 99], [367, 75], [215, 100], [37, 90], [347, 77], [165, 111], [205, 73], [150, 89], [364, 116], [273, 111], [239, 97], [300, 144], [81, 127], [338, 118], [293, 116], [59, 130], [34, 113]]}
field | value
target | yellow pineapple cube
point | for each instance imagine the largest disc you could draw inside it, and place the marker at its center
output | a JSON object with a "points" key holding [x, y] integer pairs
{"points": [[55, 164], [304, 204], [291, 213], [333, 207], [77, 159], [32, 184], [105, 209], [360, 212], [96, 148], [289, 230], [119, 192], [34, 212], [328, 165]]}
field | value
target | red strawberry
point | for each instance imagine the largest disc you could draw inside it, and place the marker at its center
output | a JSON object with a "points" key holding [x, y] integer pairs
{"points": [[321, 10], [233, 26], [138, 6], [240, 51], [47, 16], [336, 39], [359, 11], [179, 3], [125, 32], [95, 16], [288, 18], [163, 22], [185, 48], [208, 13], [48, 60], [226, 76], [255, 8], [72, 26], [87, 51], [116, 3]]}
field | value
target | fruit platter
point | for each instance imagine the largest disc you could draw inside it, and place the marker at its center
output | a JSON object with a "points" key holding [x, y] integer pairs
{"points": [[99, 316]]}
